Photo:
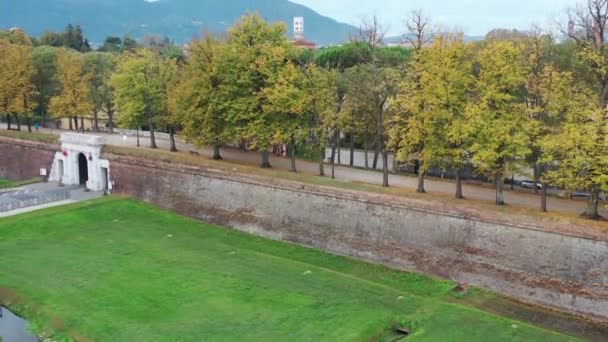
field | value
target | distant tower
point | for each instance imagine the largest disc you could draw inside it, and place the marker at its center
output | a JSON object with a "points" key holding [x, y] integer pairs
{"points": [[571, 29], [298, 27]]}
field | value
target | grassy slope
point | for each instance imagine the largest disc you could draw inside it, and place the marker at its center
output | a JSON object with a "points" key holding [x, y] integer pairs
{"points": [[34, 136], [119, 270], [7, 183]]}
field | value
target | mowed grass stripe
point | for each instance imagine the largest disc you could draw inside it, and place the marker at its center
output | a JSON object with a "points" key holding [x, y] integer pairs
{"points": [[120, 270]]}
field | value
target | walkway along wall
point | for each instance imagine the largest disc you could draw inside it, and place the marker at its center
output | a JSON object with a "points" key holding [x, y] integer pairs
{"points": [[562, 271]]}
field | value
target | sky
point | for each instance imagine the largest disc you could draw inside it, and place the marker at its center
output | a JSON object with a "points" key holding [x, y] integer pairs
{"points": [[474, 17]]}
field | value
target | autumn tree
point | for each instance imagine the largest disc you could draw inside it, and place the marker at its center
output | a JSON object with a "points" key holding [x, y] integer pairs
{"points": [[24, 92], [410, 127], [586, 155], [200, 96], [256, 51], [73, 99], [499, 124], [576, 150], [543, 99], [438, 133]]}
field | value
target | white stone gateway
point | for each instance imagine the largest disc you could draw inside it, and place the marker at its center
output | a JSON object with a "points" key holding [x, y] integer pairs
{"points": [[79, 162]]}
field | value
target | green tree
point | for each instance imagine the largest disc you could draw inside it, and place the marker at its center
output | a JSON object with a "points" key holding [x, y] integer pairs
{"points": [[45, 78], [100, 66], [256, 51], [287, 99], [201, 96], [499, 124], [141, 86], [322, 91]]}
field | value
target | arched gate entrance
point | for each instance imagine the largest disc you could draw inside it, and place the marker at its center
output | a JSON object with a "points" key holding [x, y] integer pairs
{"points": [[83, 169]]}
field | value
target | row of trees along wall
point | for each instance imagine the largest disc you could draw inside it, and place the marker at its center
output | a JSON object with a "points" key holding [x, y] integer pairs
{"points": [[511, 100]]}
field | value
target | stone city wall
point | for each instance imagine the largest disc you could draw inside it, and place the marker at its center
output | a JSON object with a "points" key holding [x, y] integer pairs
{"points": [[535, 265], [563, 271], [22, 160]]}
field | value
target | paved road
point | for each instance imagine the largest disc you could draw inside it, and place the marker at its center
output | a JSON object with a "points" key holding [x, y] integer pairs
{"points": [[37, 196], [471, 191]]}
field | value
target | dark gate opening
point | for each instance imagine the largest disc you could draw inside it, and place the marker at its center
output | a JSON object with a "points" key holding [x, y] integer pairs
{"points": [[83, 169]]}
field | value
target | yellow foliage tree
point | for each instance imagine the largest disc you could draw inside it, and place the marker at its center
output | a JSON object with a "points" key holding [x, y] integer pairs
{"points": [[17, 91], [74, 99]]}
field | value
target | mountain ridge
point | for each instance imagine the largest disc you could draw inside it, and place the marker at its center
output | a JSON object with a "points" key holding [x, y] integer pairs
{"points": [[180, 20]]}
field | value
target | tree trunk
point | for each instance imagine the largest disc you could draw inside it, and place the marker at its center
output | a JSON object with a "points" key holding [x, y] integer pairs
{"points": [[110, 121], [152, 137], [293, 155], [173, 147], [376, 154], [265, 159], [457, 172], [216, 152], [420, 188], [29, 124], [8, 122], [366, 158], [543, 198], [95, 121], [322, 163], [352, 150], [500, 184], [339, 149], [333, 158], [18, 122], [592, 211], [385, 169], [82, 123], [137, 132], [536, 177], [75, 118], [70, 121]]}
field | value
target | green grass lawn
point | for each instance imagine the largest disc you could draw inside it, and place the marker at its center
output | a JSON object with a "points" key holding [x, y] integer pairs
{"points": [[7, 183], [119, 270], [33, 136]]}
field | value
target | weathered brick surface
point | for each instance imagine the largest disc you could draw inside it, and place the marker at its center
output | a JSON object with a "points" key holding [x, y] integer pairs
{"points": [[20, 160]]}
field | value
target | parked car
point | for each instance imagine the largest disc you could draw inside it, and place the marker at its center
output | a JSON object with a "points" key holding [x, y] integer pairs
{"points": [[528, 184], [580, 194]]}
